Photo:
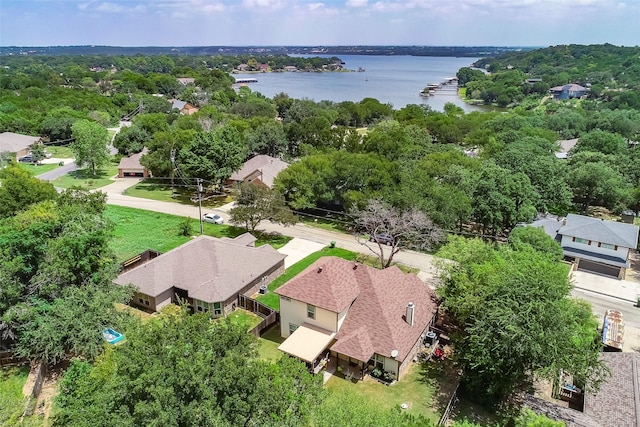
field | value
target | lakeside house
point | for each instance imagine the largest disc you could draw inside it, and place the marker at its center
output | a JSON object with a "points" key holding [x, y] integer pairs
{"points": [[568, 91]]}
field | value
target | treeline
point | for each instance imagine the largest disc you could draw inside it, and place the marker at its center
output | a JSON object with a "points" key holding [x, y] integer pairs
{"points": [[611, 73], [484, 170]]}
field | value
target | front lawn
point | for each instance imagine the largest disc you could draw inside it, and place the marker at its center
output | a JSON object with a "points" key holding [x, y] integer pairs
{"points": [[36, 170], [137, 230], [84, 178], [60, 152], [272, 300], [161, 190]]}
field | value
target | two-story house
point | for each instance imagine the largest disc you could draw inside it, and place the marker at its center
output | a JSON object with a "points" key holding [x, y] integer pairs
{"points": [[598, 245], [358, 316]]}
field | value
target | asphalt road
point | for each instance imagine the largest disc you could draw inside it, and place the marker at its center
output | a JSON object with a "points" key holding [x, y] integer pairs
{"points": [[58, 172]]}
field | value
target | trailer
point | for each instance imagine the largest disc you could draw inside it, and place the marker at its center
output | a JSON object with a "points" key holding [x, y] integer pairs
{"points": [[612, 330]]}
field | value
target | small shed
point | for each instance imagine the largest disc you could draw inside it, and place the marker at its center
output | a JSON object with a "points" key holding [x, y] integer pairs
{"points": [[628, 217]]}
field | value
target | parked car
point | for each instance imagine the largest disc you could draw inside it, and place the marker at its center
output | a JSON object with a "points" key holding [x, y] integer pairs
{"points": [[26, 159], [384, 238], [213, 218]]}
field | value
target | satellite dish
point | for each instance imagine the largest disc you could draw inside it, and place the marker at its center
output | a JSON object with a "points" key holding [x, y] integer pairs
{"points": [[394, 353]]}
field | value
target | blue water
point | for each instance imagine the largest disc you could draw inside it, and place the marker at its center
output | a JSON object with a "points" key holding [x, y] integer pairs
{"points": [[395, 80]]}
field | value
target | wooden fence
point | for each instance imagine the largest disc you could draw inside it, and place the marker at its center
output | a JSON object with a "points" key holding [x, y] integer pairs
{"points": [[269, 315], [141, 258], [447, 412], [40, 376], [8, 359]]}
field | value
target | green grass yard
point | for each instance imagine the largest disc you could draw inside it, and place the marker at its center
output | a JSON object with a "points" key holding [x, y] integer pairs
{"points": [[418, 388], [12, 402], [137, 230], [244, 318], [60, 152], [161, 190], [39, 169], [269, 342], [84, 178]]}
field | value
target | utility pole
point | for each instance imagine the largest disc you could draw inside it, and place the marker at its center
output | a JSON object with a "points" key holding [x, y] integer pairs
{"points": [[199, 182]]}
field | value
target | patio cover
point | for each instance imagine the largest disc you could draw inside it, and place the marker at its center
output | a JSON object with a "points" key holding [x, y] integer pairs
{"points": [[307, 342]]}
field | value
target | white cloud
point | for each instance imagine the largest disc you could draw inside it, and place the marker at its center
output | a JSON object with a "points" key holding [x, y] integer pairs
{"points": [[109, 7], [357, 3]]}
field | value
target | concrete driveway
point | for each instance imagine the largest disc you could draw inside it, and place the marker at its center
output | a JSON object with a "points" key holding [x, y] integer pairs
{"points": [[298, 249], [621, 289]]}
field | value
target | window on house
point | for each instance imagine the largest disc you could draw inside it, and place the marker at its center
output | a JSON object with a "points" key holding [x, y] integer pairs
{"points": [[292, 328], [217, 309], [144, 300], [202, 307], [608, 246], [377, 361], [583, 241], [311, 311]]}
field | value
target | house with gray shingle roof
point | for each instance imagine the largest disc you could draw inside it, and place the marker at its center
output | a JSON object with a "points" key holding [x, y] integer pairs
{"points": [[598, 245], [359, 316], [568, 91], [206, 272], [17, 144], [260, 170]]}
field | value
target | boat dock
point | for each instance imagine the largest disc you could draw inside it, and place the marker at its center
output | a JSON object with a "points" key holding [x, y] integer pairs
{"points": [[449, 83], [245, 81]]}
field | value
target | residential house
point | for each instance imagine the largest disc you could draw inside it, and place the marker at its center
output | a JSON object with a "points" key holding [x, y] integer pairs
{"points": [[260, 170], [360, 317], [185, 81], [596, 245], [15, 145], [568, 91], [206, 272], [131, 167], [565, 146], [617, 402], [183, 107]]}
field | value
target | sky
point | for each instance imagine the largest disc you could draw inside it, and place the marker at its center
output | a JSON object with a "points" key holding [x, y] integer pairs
{"points": [[317, 22]]}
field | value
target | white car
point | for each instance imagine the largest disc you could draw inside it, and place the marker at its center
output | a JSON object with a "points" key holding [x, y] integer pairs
{"points": [[213, 218]]}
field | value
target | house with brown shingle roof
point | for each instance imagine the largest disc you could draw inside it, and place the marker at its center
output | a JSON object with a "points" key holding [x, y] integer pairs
{"points": [[358, 315], [131, 167], [206, 272], [260, 170]]}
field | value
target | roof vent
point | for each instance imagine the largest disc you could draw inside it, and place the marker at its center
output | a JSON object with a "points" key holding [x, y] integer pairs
{"points": [[319, 269], [355, 266]]}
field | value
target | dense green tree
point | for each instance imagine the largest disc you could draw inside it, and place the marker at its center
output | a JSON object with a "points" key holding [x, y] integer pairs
{"points": [[518, 320], [537, 238], [183, 370], [601, 142], [213, 155], [596, 182], [90, 145], [72, 324], [131, 140], [268, 138], [19, 190]]}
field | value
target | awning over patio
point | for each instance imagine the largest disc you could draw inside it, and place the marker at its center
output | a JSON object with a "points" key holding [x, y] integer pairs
{"points": [[307, 342]]}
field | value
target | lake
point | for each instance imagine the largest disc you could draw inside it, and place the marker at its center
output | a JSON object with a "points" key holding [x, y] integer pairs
{"points": [[395, 80]]}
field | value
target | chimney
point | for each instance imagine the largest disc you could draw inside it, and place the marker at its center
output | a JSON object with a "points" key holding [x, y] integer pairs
{"points": [[410, 313], [564, 221]]}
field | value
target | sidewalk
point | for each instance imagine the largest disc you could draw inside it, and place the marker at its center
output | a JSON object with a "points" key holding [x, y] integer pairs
{"points": [[621, 289]]}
